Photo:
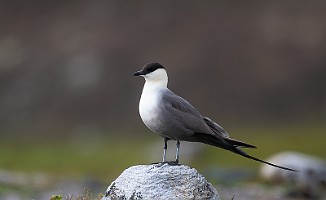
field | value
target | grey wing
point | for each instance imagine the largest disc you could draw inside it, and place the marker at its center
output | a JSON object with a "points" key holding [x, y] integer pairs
{"points": [[180, 104], [194, 126], [188, 114], [184, 113], [216, 128]]}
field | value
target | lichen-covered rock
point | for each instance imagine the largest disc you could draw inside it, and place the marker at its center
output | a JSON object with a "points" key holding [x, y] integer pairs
{"points": [[160, 181]]}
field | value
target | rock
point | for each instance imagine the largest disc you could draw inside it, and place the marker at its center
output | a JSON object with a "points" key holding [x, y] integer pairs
{"points": [[160, 181], [308, 181]]}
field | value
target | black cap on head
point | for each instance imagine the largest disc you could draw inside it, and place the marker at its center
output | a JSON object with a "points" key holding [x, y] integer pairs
{"points": [[148, 68]]}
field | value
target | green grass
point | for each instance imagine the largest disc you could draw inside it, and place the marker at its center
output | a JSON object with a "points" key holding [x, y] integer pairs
{"points": [[106, 157]]}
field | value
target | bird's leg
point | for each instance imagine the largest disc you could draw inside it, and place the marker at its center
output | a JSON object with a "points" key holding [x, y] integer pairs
{"points": [[177, 154], [165, 148]]}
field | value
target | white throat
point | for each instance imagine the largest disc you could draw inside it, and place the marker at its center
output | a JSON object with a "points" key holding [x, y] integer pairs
{"points": [[155, 83], [159, 78]]}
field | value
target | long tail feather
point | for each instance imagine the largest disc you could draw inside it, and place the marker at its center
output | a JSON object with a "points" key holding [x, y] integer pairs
{"points": [[230, 145], [239, 143], [244, 154]]}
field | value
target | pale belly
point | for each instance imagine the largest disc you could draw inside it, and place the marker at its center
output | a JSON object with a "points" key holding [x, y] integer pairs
{"points": [[149, 112]]}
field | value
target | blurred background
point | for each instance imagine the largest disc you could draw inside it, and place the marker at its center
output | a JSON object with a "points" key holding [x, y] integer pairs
{"points": [[69, 102]]}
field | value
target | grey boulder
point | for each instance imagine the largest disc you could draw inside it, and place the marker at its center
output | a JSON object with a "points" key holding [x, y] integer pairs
{"points": [[160, 181]]}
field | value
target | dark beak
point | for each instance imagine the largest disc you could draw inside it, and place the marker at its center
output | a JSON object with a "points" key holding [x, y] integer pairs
{"points": [[139, 73]]}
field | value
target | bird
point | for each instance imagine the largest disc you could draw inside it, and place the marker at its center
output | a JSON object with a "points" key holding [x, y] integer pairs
{"points": [[174, 118]]}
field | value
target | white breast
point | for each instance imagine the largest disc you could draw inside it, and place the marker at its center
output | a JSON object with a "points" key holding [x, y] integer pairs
{"points": [[149, 105]]}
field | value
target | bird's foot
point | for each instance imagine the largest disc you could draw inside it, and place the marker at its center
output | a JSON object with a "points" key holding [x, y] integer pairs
{"points": [[171, 163]]}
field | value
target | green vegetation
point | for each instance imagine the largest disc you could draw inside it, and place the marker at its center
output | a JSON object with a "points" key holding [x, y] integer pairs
{"points": [[106, 157], [56, 197]]}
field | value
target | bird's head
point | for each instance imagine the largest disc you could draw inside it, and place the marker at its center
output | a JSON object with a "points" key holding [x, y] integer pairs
{"points": [[153, 73]]}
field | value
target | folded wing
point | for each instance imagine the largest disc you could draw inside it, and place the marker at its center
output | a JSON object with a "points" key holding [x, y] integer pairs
{"points": [[217, 129]]}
